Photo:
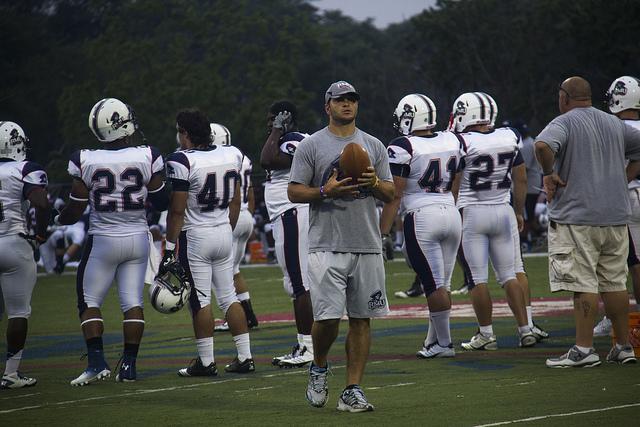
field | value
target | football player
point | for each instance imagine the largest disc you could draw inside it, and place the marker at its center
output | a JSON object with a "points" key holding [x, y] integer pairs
{"points": [[290, 225], [205, 205], [623, 100], [491, 159], [242, 231], [21, 183], [424, 165], [114, 181]]}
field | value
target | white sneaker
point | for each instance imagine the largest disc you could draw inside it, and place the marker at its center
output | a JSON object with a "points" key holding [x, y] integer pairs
{"points": [[354, 400], [435, 350], [295, 351], [528, 339], [481, 342], [90, 375], [16, 380], [574, 358], [603, 328], [224, 327], [317, 389], [623, 355], [303, 357]]}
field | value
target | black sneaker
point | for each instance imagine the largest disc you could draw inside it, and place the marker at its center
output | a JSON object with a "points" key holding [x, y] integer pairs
{"points": [[196, 369], [252, 320], [414, 291], [126, 368], [238, 367]]}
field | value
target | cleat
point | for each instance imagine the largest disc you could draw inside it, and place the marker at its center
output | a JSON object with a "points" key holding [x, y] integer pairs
{"points": [[574, 358], [528, 339], [415, 290], [434, 350], [126, 370], [317, 388], [354, 400], [295, 351], [223, 327], [462, 290], [539, 333], [603, 328], [303, 357], [197, 369], [16, 380], [481, 342], [91, 374], [238, 367], [622, 356]]}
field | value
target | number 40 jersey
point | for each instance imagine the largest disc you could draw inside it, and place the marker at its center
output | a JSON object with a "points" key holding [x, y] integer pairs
{"points": [[117, 181], [209, 176]]}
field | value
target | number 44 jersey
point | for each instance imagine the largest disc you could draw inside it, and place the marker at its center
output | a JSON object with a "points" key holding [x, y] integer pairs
{"points": [[209, 176], [117, 180], [487, 163]]}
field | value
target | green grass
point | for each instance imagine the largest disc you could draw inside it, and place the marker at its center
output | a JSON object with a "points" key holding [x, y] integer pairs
{"points": [[472, 389]]}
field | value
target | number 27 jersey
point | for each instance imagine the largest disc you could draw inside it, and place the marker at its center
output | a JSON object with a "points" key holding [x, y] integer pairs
{"points": [[117, 181], [209, 176]]}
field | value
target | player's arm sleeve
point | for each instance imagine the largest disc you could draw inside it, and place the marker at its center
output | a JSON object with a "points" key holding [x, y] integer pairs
{"points": [[302, 167], [177, 169], [400, 154]]}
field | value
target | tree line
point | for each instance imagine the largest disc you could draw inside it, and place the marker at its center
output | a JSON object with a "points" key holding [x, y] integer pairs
{"points": [[233, 58]]}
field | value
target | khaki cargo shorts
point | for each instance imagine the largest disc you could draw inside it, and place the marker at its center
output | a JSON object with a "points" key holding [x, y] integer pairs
{"points": [[591, 259]]}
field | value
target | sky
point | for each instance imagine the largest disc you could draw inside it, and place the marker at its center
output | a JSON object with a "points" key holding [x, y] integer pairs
{"points": [[384, 12]]}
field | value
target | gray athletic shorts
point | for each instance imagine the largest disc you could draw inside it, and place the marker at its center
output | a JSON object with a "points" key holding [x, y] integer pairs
{"points": [[347, 282]]}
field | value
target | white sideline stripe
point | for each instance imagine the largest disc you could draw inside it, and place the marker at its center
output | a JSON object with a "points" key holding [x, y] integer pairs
{"points": [[20, 397], [567, 414], [389, 385], [254, 389]]}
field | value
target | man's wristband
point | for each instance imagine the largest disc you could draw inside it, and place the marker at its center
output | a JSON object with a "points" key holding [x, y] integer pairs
{"points": [[376, 184], [323, 195]]}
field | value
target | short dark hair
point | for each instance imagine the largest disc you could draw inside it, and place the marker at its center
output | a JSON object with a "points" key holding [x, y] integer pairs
{"points": [[283, 105], [196, 124]]}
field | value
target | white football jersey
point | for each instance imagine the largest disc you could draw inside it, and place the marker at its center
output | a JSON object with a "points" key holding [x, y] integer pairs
{"points": [[245, 182], [16, 180], [209, 176], [429, 164], [487, 161], [117, 181], [275, 190], [634, 124]]}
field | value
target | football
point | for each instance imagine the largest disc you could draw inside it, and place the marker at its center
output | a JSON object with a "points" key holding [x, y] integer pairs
{"points": [[354, 161]]}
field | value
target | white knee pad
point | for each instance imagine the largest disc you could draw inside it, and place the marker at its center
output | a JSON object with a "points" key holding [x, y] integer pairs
{"points": [[225, 301]]}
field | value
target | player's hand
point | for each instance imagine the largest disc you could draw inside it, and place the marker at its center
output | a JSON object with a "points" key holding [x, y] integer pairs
{"points": [[369, 179], [168, 260], [551, 184], [520, 220], [283, 121], [340, 188]]}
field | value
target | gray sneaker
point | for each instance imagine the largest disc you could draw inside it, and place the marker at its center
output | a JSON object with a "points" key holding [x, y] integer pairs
{"points": [[353, 400], [622, 355], [481, 342], [317, 389], [575, 358]]}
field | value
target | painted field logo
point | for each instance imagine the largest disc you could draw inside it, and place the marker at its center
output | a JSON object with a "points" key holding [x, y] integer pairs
{"points": [[376, 300]]}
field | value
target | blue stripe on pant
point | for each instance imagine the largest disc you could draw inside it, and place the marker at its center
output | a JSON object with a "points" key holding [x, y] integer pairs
{"points": [[291, 250], [416, 257], [82, 305]]}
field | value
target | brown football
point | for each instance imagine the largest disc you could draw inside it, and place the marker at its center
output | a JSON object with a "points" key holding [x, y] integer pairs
{"points": [[354, 161]]}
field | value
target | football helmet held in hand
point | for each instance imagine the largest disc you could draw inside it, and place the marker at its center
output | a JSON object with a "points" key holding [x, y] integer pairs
{"points": [[170, 290]]}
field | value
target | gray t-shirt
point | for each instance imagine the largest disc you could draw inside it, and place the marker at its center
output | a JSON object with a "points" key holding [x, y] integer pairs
{"points": [[534, 173], [339, 225], [591, 147]]}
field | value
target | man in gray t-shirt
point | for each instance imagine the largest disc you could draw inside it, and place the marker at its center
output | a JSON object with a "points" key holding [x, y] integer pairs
{"points": [[582, 154], [346, 270]]}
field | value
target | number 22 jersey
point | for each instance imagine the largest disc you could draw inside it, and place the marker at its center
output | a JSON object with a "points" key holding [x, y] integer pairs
{"points": [[117, 181], [209, 176]]}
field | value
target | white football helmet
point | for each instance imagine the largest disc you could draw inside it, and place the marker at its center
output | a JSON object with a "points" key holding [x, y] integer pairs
{"points": [[470, 109], [13, 141], [111, 119], [493, 108], [170, 291], [220, 135], [414, 112], [623, 94]]}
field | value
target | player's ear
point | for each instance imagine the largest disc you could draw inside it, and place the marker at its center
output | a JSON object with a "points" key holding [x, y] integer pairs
{"points": [[327, 109]]}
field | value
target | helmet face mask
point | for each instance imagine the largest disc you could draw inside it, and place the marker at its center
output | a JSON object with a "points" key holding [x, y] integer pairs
{"points": [[623, 94], [414, 112], [170, 291], [220, 135], [111, 119], [13, 141]]}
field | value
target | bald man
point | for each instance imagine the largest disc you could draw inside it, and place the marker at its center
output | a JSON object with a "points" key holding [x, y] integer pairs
{"points": [[582, 154]]}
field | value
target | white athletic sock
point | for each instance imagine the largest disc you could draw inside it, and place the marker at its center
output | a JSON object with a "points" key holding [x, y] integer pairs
{"points": [[440, 321], [524, 329], [487, 331], [243, 296], [529, 316], [431, 333], [13, 363], [307, 341], [205, 350], [583, 349], [399, 238], [300, 339], [243, 345]]}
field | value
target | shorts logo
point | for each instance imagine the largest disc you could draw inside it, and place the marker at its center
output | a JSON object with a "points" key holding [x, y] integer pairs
{"points": [[376, 300]]}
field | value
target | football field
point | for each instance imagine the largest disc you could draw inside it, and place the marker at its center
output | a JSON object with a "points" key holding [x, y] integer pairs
{"points": [[507, 386]]}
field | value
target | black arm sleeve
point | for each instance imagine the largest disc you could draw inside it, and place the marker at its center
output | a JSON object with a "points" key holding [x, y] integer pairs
{"points": [[160, 199]]}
